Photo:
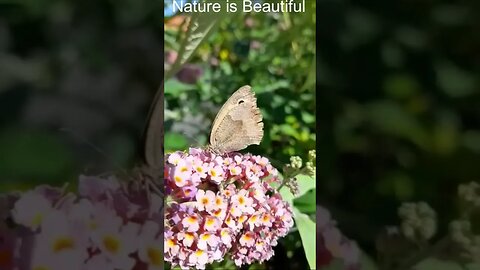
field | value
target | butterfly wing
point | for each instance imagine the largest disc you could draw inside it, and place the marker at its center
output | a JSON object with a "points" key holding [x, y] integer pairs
{"points": [[238, 124]]}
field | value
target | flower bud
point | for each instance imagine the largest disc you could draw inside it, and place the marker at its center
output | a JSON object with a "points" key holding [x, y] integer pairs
{"points": [[418, 221], [470, 193], [312, 155], [296, 162], [310, 167]]}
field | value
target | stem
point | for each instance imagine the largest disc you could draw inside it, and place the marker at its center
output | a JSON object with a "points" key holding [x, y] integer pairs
{"points": [[177, 64], [293, 175]]}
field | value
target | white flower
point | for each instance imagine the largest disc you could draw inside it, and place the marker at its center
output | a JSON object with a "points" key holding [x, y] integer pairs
{"points": [[150, 248], [30, 209], [116, 241], [59, 245]]}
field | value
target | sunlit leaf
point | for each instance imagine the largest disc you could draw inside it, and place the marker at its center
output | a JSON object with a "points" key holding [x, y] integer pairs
{"points": [[175, 141], [305, 184], [306, 227], [307, 203], [174, 87]]}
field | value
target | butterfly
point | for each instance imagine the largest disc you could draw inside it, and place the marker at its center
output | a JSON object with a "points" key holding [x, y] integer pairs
{"points": [[238, 123]]}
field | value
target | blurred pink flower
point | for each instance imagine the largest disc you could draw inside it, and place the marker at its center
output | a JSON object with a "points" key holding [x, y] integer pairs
{"points": [[189, 73], [255, 45], [249, 22], [60, 244], [31, 217], [99, 229], [150, 249], [117, 241], [170, 57], [332, 244]]}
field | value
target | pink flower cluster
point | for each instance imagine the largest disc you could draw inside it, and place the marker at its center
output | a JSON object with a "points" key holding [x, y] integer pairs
{"points": [[219, 206], [108, 226]]}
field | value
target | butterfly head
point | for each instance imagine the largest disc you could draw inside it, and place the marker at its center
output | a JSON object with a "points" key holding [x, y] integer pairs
{"points": [[212, 150]]}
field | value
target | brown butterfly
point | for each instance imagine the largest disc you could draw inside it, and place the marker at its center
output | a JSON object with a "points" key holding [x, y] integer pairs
{"points": [[238, 124]]}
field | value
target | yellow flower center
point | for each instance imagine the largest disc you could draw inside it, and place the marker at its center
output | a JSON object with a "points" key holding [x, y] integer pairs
{"points": [[170, 243], [37, 219], [155, 256], [62, 243], [210, 221], [92, 225], [111, 244], [178, 179]]}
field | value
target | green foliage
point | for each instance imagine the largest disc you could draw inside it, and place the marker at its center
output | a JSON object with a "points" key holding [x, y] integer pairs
{"points": [[304, 204], [32, 157], [199, 28], [273, 54], [306, 226]]}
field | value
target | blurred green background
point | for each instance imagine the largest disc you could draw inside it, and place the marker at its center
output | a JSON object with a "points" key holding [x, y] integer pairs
{"points": [[398, 109], [274, 54], [88, 67]]}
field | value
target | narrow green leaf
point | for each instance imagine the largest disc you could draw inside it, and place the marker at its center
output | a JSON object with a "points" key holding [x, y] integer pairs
{"points": [[201, 26], [307, 229], [175, 88], [307, 203]]}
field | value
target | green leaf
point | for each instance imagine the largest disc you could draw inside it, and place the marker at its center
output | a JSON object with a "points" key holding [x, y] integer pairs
{"points": [[307, 228], [455, 81], [287, 195], [201, 26], [307, 203], [273, 86], [35, 156], [175, 141], [390, 118], [175, 88], [305, 184]]}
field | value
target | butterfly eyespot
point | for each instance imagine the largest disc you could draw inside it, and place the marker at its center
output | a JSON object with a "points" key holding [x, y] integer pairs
{"points": [[241, 101]]}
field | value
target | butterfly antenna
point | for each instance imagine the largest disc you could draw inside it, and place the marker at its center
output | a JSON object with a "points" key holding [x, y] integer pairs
{"points": [[95, 148], [191, 138]]}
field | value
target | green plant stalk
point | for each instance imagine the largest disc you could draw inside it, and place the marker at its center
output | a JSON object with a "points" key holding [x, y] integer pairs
{"points": [[177, 64], [294, 174]]}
